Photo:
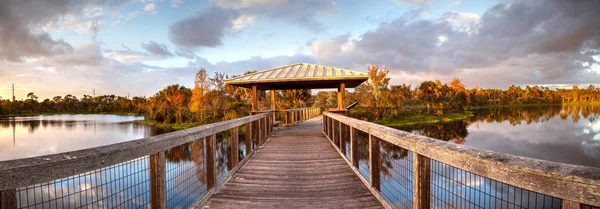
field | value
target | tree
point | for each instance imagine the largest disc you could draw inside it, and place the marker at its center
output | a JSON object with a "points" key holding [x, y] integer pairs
{"points": [[198, 100], [32, 96], [378, 81]]}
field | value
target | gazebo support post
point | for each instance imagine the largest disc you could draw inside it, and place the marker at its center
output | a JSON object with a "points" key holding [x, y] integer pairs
{"points": [[254, 99], [273, 104], [341, 96]]}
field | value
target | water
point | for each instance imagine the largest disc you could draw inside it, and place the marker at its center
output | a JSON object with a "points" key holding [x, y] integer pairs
{"points": [[22, 137], [569, 134]]}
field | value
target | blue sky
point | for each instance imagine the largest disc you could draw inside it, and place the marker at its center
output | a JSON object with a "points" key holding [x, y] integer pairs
{"points": [[138, 47]]}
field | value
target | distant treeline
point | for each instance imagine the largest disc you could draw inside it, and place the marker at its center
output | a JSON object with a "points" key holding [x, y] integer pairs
{"points": [[378, 100], [210, 100], [72, 104]]}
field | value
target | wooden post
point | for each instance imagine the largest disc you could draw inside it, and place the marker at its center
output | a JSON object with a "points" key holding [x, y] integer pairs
{"points": [[265, 129], [8, 199], [343, 137], [567, 204], [422, 179], [158, 181], [211, 165], [330, 127], [235, 150], [273, 107], [324, 124], [259, 130], [354, 146], [374, 162], [248, 138], [334, 133], [254, 99], [341, 96]]}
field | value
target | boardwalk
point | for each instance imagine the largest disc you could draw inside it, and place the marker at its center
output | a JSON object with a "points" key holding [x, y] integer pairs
{"points": [[297, 168]]}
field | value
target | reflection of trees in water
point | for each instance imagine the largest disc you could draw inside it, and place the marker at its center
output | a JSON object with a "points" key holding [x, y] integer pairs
{"points": [[389, 155], [195, 152], [223, 152], [454, 131], [457, 131], [537, 114]]}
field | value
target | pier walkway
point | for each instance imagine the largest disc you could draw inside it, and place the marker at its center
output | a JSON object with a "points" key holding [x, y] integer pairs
{"points": [[296, 167]]}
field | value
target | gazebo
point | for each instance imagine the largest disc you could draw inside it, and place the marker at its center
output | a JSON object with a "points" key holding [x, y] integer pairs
{"points": [[300, 76]]}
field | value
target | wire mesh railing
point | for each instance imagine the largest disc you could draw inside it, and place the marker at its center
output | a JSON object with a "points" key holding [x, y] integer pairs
{"points": [[412, 171]]}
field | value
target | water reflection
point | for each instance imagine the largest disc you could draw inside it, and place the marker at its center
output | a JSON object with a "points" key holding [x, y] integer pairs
{"points": [[567, 134], [22, 137]]}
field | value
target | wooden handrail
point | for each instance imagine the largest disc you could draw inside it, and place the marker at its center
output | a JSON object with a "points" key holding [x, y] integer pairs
{"points": [[34, 170], [573, 183]]}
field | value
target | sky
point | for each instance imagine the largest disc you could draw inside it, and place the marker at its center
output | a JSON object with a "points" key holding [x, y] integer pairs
{"points": [[137, 47]]}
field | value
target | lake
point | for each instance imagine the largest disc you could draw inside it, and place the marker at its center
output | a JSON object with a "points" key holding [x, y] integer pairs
{"points": [[29, 136], [566, 134]]}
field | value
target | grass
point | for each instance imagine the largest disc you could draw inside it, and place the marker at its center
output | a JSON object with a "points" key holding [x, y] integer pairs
{"points": [[175, 127], [421, 119]]}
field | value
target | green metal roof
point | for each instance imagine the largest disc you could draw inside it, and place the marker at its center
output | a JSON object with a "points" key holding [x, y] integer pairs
{"points": [[300, 76]]}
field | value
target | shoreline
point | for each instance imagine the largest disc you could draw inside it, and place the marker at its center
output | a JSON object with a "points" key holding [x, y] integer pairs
{"points": [[423, 119]]}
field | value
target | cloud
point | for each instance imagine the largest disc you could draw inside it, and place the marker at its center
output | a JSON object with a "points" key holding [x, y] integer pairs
{"points": [[302, 13], [149, 7], [186, 53], [530, 42], [26, 36], [176, 3], [157, 49], [203, 29], [453, 4], [414, 2]]}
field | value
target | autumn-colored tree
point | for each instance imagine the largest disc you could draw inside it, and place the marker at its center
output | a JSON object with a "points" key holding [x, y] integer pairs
{"points": [[201, 87]]}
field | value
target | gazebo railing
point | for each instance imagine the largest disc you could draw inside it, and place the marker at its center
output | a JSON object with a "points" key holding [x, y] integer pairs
{"points": [[406, 170], [173, 170]]}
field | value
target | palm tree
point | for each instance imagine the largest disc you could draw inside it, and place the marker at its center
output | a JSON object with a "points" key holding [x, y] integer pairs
{"points": [[32, 96]]}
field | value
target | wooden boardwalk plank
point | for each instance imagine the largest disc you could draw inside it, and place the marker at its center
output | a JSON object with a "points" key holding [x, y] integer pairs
{"points": [[297, 168]]}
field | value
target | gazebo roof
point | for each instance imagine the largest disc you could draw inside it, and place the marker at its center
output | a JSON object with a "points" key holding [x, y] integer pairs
{"points": [[300, 76]]}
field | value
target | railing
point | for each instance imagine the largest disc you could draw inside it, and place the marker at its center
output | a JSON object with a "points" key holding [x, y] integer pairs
{"points": [[173, 170], [292, 116], [405, 170]]}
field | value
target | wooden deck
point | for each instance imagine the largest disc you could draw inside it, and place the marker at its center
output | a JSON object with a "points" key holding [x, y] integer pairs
{"points": [[297, 168]]}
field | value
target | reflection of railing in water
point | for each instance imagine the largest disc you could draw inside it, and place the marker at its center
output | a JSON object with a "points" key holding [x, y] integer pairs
{"points": [[173, 170], [411, 171]]}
